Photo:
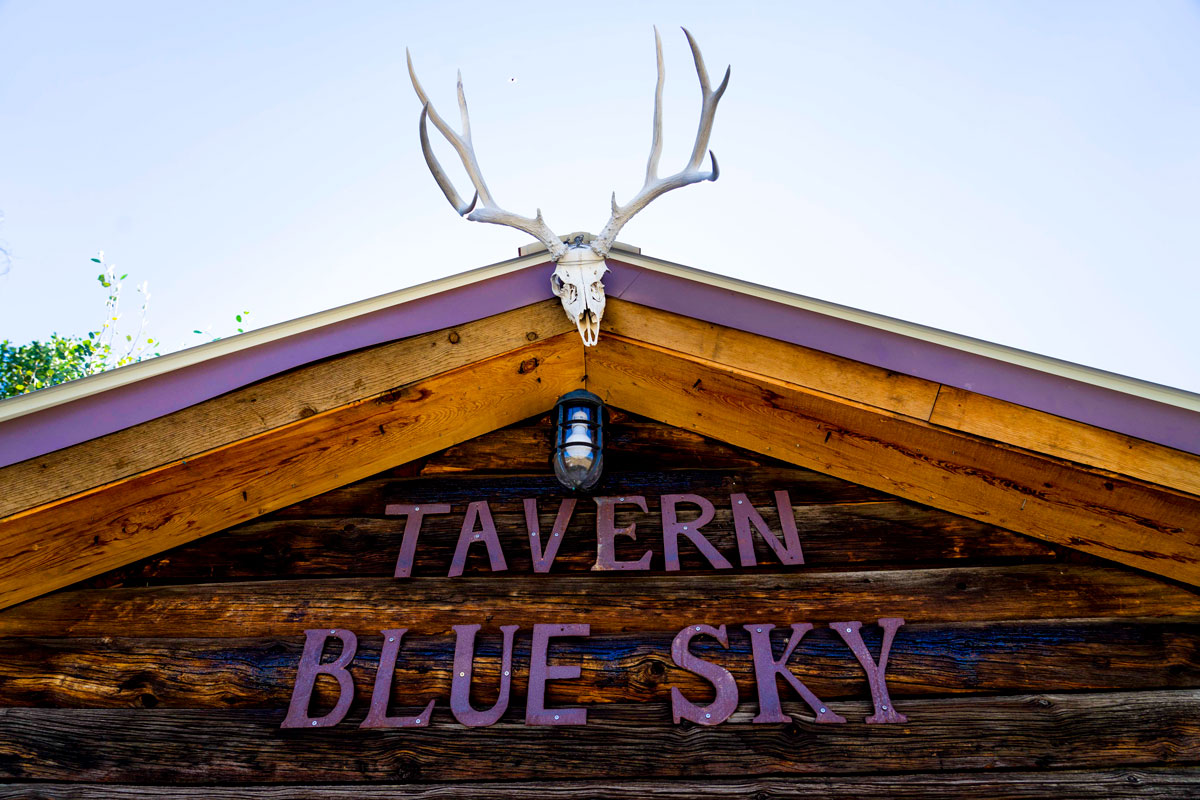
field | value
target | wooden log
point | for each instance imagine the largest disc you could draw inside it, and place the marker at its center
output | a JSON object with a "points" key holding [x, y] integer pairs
{"points": [[1045, 731], [268, 404], [1126, 521], [925, 661], [1181, 783], [888, 533], [1064, 438], [610, 602], [58, 544]]}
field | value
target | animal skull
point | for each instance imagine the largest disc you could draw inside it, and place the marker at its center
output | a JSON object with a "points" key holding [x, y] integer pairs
{"points": [[580, 267], [577, 280]]}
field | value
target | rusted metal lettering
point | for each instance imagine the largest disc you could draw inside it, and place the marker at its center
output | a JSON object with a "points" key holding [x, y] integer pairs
{"points": [[377, 716], [745, 515], [412, 530], [884, 710], [545, 548], [725, 702], [607, 532], [672, 529], [536, 712], [477, 512], [460, 687], [766, 667], [306, 678]]}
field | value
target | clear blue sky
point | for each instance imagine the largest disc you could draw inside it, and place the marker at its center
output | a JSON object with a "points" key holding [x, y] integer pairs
{"points": [[1023, 172]]}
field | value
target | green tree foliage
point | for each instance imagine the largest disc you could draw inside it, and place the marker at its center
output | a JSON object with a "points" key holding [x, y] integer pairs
{"points": [[28, 367]]}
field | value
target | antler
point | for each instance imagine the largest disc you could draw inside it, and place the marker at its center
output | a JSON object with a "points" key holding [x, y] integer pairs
{"points": [[655, 186], [488, 211]]}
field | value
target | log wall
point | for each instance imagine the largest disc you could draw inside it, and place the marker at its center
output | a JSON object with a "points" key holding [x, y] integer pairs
{"points": [[1024, 669]]}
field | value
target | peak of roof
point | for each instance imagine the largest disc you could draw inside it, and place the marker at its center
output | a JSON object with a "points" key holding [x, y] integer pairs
{"points": [[63, 415]]}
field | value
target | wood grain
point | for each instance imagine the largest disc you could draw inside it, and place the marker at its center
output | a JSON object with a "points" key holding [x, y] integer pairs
{"points": [[926, 661], [1128, 522], [948, 406], [54, 546], [629, 445], [1045, 731], [611, 602], [1181, 783], [271, 403], [1064, 438], [880, 533], [803, 366]]}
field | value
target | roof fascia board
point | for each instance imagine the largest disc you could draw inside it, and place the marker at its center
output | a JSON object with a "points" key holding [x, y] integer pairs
{"points": [[1140, 409], [81, 410], [997, 352], [111, 379]]}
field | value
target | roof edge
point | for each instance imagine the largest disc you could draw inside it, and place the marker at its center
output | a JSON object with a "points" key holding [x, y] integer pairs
{"points": [[70, 391], [1160, 393]]}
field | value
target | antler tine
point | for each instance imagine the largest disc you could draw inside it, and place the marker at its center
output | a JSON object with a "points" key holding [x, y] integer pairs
{"points": [[656, 140], [488, 211], [708, 108], [439, 174], [654, 186]]}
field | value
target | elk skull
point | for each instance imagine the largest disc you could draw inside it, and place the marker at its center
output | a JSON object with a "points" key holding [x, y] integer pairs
{"points": [[580, 268], [577, 280]]}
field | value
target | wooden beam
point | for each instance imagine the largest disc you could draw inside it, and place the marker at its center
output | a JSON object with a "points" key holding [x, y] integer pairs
{"points": [[1176, 783], [619, 602], [269, 404], [802, 366], [947, 406], [1043, 731], [1075, 441], [59, 543], [1123, 520], [927, 660], [887, 533]]}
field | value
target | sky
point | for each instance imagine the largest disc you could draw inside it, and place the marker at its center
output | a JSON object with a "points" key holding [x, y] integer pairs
{"points": [[1027, 173]]}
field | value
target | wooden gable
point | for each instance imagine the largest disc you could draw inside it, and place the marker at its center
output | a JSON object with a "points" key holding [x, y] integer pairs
{"points": [[78, 512], [1024, 668]]}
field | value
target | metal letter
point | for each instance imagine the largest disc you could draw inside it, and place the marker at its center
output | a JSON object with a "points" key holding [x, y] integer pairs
{"points": [[766, 668], [378, 717], [725, 702], [672, 527], [460, 687], [607, 532], [884, 711], [306, 678], [412, 529], [542, 559], [745, 515], [477, 511], [536, 712]]}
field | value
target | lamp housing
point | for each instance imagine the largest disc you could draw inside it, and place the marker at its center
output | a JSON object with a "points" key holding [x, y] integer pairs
{"points": [[579, 440]]}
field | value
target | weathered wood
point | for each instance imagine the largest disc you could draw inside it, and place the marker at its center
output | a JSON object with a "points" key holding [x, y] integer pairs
{"points": [[1045, 731], [367, 497], [628, 446], [611, 602], [1176, 784], [58, 544], [925, 661], [803, 366], [1132, 523], [1064, 438], [886, 533], [271, 403]]}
